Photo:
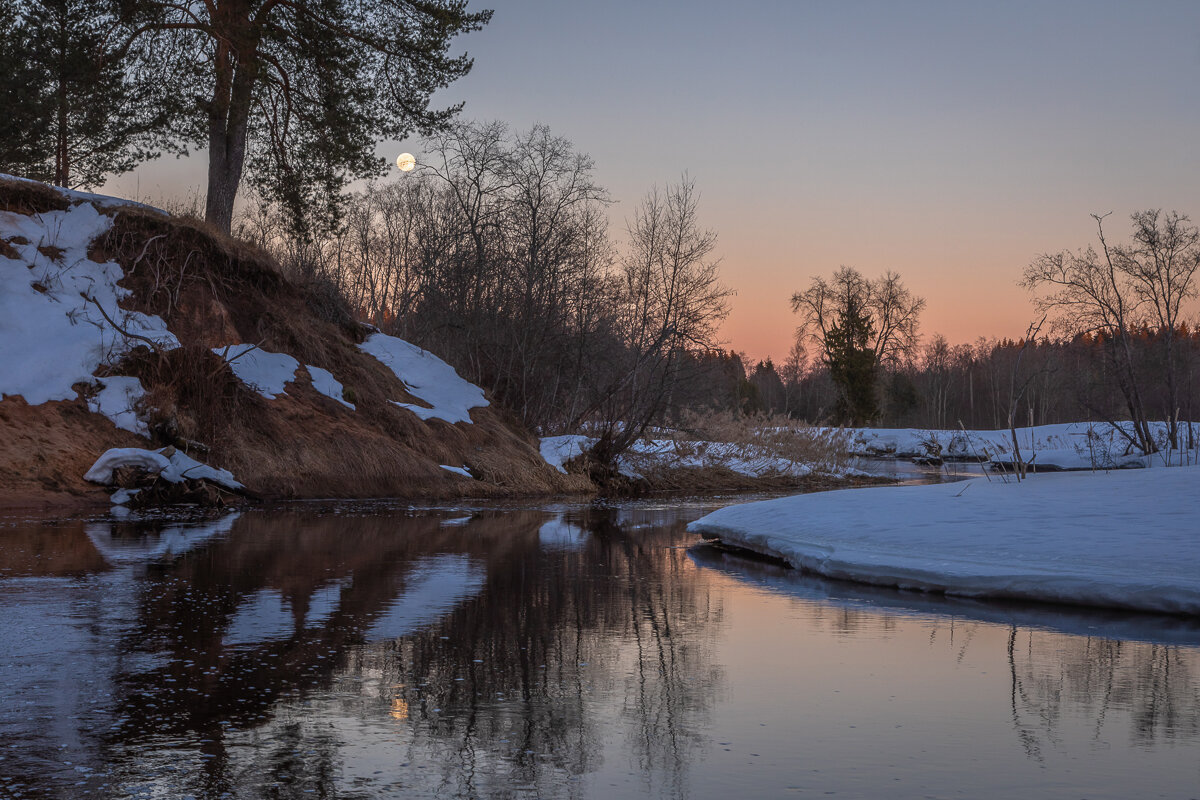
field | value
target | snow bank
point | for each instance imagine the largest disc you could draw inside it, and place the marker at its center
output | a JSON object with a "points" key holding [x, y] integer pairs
{"points": [[1120, 539], [457, 471], [53, 333], [427, 378], [169, 464], [263, 371]]}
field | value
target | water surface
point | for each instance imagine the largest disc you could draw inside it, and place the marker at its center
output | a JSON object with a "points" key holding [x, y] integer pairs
{"points": [[365, 651]]}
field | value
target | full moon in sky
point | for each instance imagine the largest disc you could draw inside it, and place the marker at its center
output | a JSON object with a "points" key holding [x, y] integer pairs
{"points": [[406, 162]]}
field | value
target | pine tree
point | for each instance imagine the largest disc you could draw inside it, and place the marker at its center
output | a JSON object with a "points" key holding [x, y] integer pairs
{"points": [[80, 108], [852, 365], [296, 94]]}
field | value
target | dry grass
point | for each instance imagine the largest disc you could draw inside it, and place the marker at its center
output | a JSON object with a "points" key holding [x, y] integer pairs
{"points": [[715, 439], [26, 197]]}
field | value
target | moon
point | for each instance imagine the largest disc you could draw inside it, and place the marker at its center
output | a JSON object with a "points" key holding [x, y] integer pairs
{"points": [[406, 162]]}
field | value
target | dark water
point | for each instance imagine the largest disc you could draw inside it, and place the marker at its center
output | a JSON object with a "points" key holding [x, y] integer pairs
{"points": [[364, 652]]}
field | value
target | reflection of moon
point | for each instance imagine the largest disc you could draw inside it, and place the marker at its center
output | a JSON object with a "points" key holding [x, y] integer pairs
{"points": [[406, 162]]}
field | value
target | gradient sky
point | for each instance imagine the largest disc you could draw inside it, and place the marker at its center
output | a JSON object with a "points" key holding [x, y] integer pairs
{"points": [[950, 141]]}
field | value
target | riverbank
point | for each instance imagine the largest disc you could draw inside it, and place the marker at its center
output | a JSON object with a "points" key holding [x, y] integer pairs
{"points": [[126, 328]]}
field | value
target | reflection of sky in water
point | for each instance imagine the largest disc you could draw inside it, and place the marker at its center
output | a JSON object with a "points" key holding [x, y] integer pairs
{"points": [[432, 587]]}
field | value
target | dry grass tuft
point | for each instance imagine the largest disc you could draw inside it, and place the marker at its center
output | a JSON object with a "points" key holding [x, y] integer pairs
{"points": [[27, 197]]}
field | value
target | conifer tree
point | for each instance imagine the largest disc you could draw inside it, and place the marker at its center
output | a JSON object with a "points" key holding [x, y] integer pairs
{"points": [[852, 364], [78, 108], [296, 94]]}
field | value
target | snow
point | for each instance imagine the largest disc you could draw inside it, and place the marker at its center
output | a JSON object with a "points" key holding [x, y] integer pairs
{"points": [[1123, 539], [427, 378], [1075, 445], [51, 336], [324, 382], [458, 471], [117, 457], [263, 371], [557, 450], [117, 399], [650, 454], [174, 467]]}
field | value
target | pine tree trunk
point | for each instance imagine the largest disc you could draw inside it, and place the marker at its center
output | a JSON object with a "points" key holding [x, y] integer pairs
{"points": [[228, 114]]}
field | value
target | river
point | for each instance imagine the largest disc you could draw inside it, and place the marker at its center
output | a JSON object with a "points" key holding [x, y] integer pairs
{"points": [[576, 650]]}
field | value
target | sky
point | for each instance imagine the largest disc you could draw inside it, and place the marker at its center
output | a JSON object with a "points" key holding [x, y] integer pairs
{"points": [[951, 142]]}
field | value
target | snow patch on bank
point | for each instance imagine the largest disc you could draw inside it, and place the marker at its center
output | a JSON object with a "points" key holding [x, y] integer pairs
{"points": [[53, 302], [170, 464], [427, 378], [1119, 539], [117, 399], [324, 382], [263, 371]]}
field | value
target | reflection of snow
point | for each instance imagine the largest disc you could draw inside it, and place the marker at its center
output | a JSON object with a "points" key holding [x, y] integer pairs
{"points": [[434, 586], [322, 604], [560, 535], [261, 616], [151, 547]]}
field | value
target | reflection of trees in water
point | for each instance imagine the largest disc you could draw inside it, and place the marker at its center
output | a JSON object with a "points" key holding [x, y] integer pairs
{"points": [[1056, 678], [523, 671], [507, 693]]}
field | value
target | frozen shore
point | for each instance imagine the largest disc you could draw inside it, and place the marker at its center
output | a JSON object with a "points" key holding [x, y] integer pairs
{"points": [[1128, 539]]}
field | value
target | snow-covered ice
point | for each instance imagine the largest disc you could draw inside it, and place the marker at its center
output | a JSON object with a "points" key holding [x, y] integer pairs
{"points": [[263, 371], [1128, 539], [52, 331], [427, 378]]}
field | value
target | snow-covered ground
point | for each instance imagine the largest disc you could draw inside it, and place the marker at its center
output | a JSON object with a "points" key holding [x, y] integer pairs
{"points": [[647, 455], [1128, 539], [1076, 445]]}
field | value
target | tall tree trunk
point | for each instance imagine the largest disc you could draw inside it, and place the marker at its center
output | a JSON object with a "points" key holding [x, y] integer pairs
{"points": [[228, 115]]}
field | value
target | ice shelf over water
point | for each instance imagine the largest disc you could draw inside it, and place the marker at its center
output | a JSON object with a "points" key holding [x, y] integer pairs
{"points": [[1128, 539]]}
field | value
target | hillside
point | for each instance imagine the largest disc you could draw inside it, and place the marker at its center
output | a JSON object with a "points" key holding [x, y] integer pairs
{"points": [[122, 327]]}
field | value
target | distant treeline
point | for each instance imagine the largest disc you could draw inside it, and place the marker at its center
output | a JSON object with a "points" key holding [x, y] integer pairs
{"points": [[1068, 380]]}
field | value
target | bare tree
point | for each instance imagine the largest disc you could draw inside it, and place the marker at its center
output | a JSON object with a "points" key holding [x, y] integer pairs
{"points": [[1161, 264], [1091, 293], [672, 303]]}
